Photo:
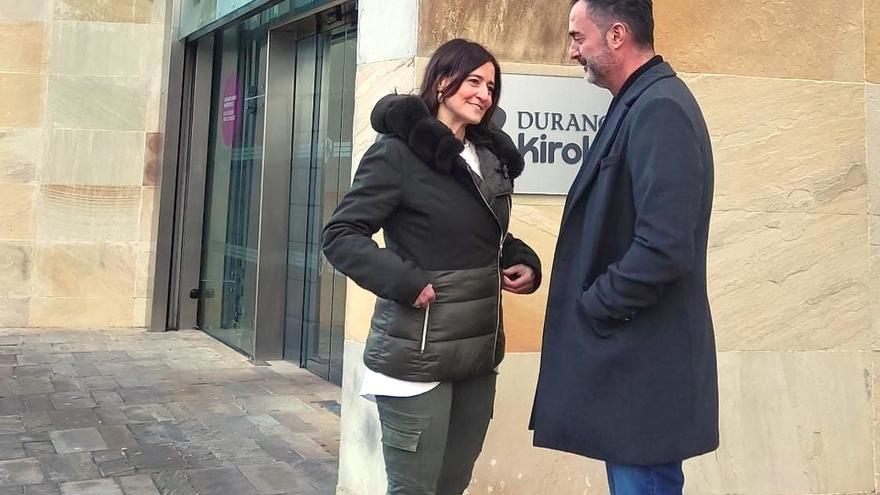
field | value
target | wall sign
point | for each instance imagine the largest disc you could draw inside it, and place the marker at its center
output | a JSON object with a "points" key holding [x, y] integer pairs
{"points": [[553, 121]]}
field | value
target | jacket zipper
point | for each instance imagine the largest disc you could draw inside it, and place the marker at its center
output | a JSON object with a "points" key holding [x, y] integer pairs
{"points": [[500, 252], [425, 328]]}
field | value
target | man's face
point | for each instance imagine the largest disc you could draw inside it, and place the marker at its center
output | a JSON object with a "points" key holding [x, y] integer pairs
{"points": [[589, 45]]}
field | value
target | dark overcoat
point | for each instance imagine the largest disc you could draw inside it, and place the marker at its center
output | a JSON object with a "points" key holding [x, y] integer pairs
{"points": [[628, 371]]}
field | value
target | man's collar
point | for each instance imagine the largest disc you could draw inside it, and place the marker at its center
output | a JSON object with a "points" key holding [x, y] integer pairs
{"points": [[654, 61]]}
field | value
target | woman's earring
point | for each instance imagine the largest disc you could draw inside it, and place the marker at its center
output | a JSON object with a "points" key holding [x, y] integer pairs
{"points": [[440, 97]]}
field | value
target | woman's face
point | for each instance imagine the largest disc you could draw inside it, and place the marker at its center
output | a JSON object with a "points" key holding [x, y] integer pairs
{"points": [[474, 97]]}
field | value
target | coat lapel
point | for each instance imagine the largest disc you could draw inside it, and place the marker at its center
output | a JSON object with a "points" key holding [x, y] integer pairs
{"points": [[608, 133]]}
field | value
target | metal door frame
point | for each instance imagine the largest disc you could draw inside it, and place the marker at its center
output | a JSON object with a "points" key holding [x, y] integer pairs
{"points": [[184, 173]]}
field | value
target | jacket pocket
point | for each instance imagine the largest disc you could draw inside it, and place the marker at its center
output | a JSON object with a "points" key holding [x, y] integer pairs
{"points": [[401, 430], [603, 329], [399, 321]]}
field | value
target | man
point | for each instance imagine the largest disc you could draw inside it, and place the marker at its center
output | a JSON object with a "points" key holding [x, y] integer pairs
{"points": [[628, 372]]}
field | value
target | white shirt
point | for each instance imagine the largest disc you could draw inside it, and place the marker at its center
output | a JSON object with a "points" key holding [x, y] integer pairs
{"points": [[378, 384]]}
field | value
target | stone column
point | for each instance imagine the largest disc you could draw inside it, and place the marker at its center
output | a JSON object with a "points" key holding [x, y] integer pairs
{"points": [[80, 84], [872, 140], [386, 63]]}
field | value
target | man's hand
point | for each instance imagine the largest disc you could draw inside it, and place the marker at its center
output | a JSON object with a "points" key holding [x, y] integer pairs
{"points": [[518, 279], [426, 297]]}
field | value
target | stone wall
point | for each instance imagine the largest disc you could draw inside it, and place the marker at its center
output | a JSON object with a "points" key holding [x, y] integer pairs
{"points": [[80, 98], [791, 96]]}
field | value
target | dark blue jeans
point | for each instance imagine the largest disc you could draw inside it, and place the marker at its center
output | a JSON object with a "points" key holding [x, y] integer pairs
{"points": [[660, 479]]}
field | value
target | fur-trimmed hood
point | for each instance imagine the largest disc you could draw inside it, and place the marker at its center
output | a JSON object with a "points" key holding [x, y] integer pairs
{"points": [[407, 117]]}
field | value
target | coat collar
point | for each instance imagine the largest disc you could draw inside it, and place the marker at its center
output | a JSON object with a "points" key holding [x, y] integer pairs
{"points": [[645, 81], [407, 117], [608, 132]]}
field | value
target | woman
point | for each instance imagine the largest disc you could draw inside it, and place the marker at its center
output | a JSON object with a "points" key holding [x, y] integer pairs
{"points": [[439, 183]]}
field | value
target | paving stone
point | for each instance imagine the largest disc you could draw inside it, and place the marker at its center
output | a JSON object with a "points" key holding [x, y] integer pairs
{"points": [[112, 462], [236, 426], [12, 490], [198, 457], [94, 487], [306, 446], [322, 475], [11, 424], [155, 458], [106, 397], [140, 395], [38, 403], [155, 421], [11, 447], [267, 405], [111, 415], [117, 437], [267, 425], [239, 390], [273, 478], [293, 423], [180, 411], [42, 358], [20, 472], [35, 449], [202, 408], [96, 382], [27, 386], [238, 451], [102, 456], [77, 370], [72, 400], [43, 489], [32, 371], [139, 484], [11, 406], [35, 436], [157, 433], [78, 440], [105, 356], [37, 422], [147, 413], [73, 418], [116, 468], [64, 384], [69, 467], [173, 483], [278, 449], [226, 480]]}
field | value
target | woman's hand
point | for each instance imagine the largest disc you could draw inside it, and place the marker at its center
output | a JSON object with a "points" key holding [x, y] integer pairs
{"points": [[426, 297], [518, 279]]}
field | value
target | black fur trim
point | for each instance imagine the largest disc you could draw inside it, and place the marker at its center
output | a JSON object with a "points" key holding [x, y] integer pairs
{"points": [[435, 144], [501, 145], [408, 118]]}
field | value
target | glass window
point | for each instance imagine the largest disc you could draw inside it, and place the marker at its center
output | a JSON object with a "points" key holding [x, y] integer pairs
{"points": [[196, 14]]}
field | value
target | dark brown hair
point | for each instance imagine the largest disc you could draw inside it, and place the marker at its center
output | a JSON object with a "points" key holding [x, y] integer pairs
{"points": [[638, 15], [455, 60]]}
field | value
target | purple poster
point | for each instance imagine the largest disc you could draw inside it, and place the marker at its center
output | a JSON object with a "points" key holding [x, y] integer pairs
{"points": [[231, 108]]}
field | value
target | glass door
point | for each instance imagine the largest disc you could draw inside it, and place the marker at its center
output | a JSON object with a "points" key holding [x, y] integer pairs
{"points": [[320, 175], [228, 278]]}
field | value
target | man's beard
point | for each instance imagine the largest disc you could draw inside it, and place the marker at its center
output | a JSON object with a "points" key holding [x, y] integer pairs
{"points": [[592, 75]]}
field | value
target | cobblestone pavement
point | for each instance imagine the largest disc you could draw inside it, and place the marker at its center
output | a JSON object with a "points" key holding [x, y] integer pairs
{"points": [[126, 412]]}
